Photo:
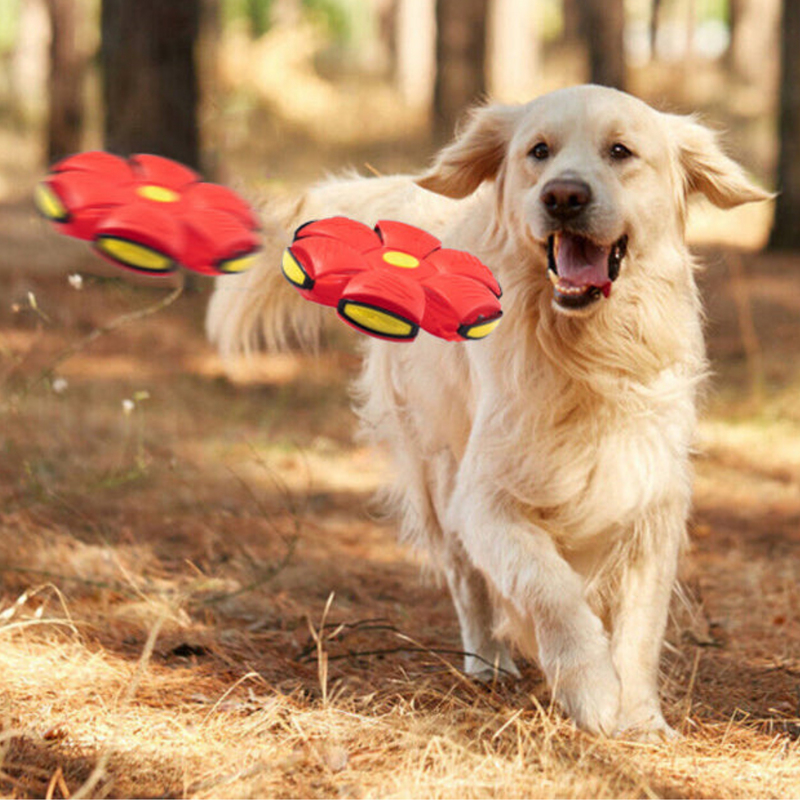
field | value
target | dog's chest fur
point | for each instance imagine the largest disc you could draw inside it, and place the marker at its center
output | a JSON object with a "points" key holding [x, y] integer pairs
{"points": [[584, 459]]}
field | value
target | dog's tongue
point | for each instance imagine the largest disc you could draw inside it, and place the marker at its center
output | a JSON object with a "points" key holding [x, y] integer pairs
{"points": [[580, 262]]}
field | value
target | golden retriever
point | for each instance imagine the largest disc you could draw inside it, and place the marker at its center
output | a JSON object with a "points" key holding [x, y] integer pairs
{"points": [[545, 468]]}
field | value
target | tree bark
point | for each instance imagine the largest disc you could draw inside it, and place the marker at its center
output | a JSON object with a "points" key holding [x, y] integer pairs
{"points": [[150, 85], [460, 61], [755, 38], [603, 28], [65, 84], [786, 229], [513, 54], [415, 51]]}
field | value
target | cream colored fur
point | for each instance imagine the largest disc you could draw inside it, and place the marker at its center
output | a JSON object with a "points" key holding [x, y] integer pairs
{"points": [[545, 468]]}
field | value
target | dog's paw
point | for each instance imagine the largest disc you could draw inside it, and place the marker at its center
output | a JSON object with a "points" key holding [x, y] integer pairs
{"points": [[492, 666], [590, 695], [651, 730]]}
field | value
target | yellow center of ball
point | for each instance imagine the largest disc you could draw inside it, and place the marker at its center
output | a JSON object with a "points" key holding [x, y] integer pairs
{"points": [[398, 259], [159, 194]]}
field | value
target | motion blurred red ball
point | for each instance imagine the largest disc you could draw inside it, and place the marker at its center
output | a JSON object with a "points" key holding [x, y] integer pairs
{"points": [[150, 214]]}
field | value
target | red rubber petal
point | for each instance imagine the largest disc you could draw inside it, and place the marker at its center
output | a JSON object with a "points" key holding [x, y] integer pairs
{"points": [[330, 263], [106, 166], [359, 237], [454, 302], [457, 262], [214, 236], [390, 292], [163, 172], [145, 224], [407, 238], [88, 198], [202, 195]]}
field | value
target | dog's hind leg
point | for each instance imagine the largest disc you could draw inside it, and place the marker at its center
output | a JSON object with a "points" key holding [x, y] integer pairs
{"points": [[485, 657]]}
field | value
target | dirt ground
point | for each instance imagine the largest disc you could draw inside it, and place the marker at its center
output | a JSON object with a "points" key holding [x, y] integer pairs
{"points": [[197, 597]]}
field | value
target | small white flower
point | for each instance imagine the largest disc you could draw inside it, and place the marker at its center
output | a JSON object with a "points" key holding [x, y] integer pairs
{"points": [[127, 406], [76, 281], [60, 385]]}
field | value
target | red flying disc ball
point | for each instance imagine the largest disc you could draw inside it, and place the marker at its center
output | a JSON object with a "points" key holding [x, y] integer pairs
{"points": [[392, 280], [149, 214]]}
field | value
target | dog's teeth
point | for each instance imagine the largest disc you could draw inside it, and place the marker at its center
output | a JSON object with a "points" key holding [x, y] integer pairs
{"points": [[554, 279], [567, 289]]}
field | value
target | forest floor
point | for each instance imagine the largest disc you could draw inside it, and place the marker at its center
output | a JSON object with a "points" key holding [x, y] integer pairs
{"points": [[197, 598]]}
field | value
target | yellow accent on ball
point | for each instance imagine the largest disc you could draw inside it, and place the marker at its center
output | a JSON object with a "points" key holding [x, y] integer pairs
{"points": [[134, 255], [372, 319], [49, 204], [160, 194], [241, 264], [479, 331], [398, 259], [292, 270]]}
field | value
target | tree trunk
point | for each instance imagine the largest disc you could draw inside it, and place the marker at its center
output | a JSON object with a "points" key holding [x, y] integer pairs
{"points": [[150, 85], [572, 26], [29, 61], [65, 85], [653, 26], [415, 51], [460, 61], [754, 41], [786, 230], [603, 27], [513, 59]]}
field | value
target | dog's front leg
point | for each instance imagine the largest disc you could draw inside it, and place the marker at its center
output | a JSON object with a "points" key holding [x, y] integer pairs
{"points": [[545, 600], [639, 621]]}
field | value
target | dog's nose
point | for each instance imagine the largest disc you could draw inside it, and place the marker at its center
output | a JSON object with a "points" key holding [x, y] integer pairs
{"points": [[565, 198]]}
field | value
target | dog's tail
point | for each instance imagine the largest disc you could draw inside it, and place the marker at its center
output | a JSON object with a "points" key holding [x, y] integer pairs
{"points": [[259, 309]]}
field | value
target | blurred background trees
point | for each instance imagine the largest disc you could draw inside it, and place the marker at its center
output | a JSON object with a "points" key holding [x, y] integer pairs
{"points": [[786, 231], [200, 80], [149, 77], [65, 82], [460, 78]]}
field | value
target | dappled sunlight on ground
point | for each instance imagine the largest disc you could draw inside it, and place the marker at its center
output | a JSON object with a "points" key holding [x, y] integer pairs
{"points": [[228, 504], [199, 598]]}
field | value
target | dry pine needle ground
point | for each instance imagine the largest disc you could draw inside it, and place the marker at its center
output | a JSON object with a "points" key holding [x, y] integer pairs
{"points": [[171, 533]]}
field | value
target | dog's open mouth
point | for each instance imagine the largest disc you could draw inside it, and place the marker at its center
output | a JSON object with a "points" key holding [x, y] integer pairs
{"points": [[582, 270]]}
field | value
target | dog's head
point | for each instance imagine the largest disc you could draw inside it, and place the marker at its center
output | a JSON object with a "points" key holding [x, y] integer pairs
{"points": [[588, 175]]}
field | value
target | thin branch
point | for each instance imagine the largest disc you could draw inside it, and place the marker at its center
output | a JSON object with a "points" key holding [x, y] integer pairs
{"points": [[267, 575], [117, 587], [308, 654], [116, 323]]}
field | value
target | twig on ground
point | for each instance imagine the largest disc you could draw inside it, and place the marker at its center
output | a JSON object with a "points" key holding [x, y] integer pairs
{"points": [[112, 585], [265, 576], [322, 655], [57, 781], [310, 651], [102, 330]]}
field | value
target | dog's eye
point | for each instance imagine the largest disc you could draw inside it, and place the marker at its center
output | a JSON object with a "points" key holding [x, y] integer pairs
{"points": [[619, 152], [539, 151]]}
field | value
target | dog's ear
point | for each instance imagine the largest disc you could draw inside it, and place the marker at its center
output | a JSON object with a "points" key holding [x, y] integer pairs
{"points": [[707, 170], [476, 153]]}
